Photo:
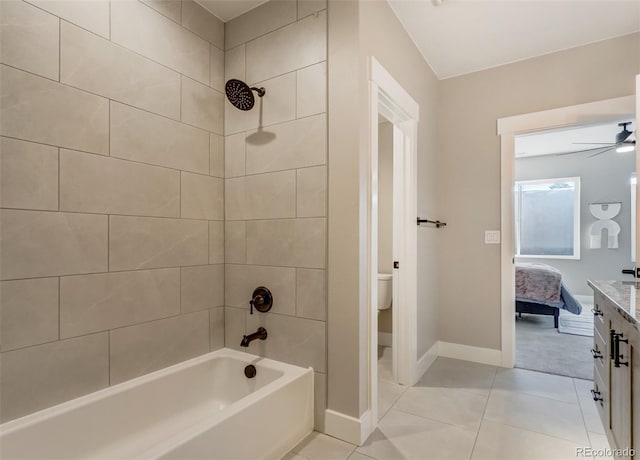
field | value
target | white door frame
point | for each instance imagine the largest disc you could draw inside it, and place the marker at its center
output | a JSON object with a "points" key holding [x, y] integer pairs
{"points": [[390, 100], [508, 128]]}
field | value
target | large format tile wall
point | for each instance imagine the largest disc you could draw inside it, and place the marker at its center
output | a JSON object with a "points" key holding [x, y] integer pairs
{"points": [[112, 220], [275, 184]]}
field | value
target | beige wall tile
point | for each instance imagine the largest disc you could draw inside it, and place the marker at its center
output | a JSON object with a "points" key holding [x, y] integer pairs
{"points": [[202, 197], [293, 47], [141, 136], [38, 243], [293, 340], [234, 63], [216, 330], [29, 39], [97, 184], [216, 155], [241, 280], [148, 242], [216, 242], [311, 294], [94, 64], [38, 377], [312, 192], [263, 196], [93, 303], [311, 90], [143, 348], [288, 242], [234, 327], [169, 8], [92, 15], [28, 175], [202, 287], [320, 400], [202, 106], [296, 144], [141, 29], [259, 21], [279, 102], [37, 109], [217, 69], [307, 7], [234, 152], [28, 312], [235, 242], [276, 106], [201, 22]]}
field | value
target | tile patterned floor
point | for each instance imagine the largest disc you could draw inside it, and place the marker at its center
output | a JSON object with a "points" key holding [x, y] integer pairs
{"points": [[464, 410]]}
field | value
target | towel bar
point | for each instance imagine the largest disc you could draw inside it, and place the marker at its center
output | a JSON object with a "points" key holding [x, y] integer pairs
{"points": [[437, 223]]}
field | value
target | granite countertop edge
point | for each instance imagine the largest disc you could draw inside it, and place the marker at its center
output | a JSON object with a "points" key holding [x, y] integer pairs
{"points": [[619, 294]]}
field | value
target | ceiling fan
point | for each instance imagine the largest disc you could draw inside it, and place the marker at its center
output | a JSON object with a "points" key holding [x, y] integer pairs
{"points": [[622, 144]]}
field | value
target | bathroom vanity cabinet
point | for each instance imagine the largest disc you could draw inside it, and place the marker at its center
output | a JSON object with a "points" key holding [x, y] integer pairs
{"points": [[616, 375]]}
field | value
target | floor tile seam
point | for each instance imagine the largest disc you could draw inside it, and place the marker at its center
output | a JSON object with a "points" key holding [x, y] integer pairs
{"points": [[536, 396], [482, 418], [535, 431], [430, 419]]}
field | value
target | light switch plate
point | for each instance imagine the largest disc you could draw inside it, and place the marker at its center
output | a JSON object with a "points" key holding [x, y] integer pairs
{"points": [[492, 237]]}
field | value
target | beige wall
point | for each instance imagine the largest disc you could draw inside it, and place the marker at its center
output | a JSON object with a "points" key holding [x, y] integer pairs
{"points": [[413, 73], [354, 36], [276, 185], [112, 195], [469, 163]]}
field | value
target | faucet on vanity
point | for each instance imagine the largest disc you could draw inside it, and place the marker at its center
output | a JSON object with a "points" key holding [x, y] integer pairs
{"points": [[261, 334]]}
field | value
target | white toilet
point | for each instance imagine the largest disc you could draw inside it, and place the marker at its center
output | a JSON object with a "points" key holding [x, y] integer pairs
{"points": [[384, 291]]}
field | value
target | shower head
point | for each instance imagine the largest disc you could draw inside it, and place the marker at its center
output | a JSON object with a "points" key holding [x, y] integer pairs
{"points": [[240, 95]]}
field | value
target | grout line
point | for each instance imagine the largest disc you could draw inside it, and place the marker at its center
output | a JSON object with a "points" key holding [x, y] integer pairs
{"points": [[58, 179], [133, 216], [109, 357], [484, 411], [60, 48], [59, 315], [295, 21], [108, 243], [67, 85], [110, 21]]}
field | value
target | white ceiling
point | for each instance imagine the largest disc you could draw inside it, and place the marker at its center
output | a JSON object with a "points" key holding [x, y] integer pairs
{"points": [[464, 36], [567, 140], [226, 10]]}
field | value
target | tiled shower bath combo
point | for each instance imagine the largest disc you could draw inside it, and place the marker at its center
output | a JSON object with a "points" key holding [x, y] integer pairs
{"points": [[140, 209]]}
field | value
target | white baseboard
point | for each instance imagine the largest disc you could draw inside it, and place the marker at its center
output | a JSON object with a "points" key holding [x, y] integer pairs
{"points": [[385, 339], [469, 353], [349, 429], [426, 360]]}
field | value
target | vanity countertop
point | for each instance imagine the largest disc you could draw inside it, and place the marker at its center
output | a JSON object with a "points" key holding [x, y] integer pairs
{"points": [[623, 294]]}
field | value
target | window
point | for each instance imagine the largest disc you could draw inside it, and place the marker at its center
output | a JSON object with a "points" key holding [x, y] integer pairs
{"points": [[548, 218]]}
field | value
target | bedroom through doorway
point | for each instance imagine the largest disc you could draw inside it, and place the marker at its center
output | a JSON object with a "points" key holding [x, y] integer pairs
{"points": [[574, 202]]}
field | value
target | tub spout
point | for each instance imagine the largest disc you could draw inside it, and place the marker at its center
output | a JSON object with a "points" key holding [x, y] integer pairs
{"points": [[261, 334]]}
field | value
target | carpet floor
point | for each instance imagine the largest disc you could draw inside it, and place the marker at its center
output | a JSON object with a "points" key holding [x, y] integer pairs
{"points": [[540, 347]]}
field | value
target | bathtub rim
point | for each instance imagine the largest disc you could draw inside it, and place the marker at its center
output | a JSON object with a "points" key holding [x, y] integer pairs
{"points": [[290, 372]]}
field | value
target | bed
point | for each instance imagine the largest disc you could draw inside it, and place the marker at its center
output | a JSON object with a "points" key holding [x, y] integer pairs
{"points": [[541, 291]]}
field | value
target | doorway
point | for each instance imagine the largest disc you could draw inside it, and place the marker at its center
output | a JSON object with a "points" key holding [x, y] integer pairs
{"points": [[566, 180], [508, 129], [392, 194]]}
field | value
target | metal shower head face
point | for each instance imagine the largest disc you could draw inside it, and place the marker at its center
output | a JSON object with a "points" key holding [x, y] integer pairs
{"points": [[241, 95]]}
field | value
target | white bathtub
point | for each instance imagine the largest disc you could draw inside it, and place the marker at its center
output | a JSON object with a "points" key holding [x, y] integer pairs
{"points": [[201, 408]]}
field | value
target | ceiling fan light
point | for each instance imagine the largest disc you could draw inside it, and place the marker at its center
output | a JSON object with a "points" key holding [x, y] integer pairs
{"points": [[625, 148]]}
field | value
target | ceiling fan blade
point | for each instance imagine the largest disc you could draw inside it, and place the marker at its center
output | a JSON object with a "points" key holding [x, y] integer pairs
{"points": [[600, 153], [599, 149], [593, 143]]}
